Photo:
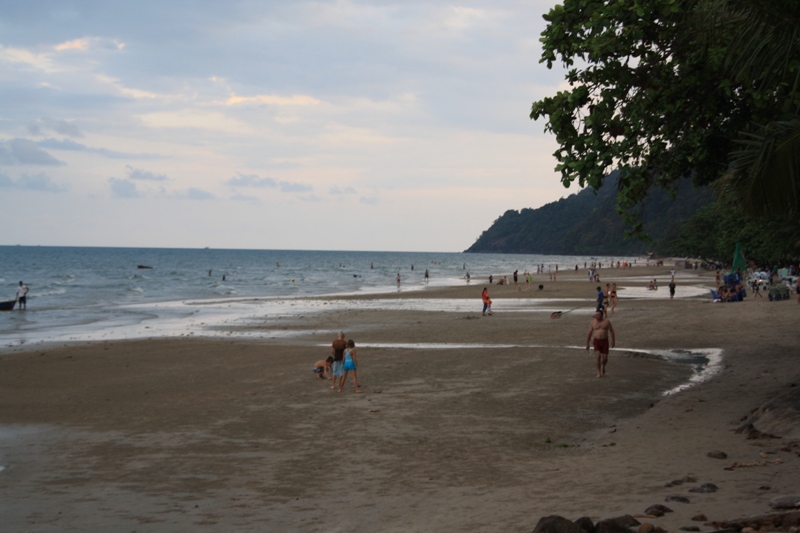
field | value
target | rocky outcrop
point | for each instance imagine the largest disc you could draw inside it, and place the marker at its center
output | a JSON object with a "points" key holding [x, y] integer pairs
{"points": [[779, 417]]}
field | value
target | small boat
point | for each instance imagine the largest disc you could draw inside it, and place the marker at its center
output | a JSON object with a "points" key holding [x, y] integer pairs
{"points": [[7, 305], [143, 266]]}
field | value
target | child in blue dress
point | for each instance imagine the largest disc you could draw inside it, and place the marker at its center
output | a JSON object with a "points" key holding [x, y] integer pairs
{"points": [[350, 363]]}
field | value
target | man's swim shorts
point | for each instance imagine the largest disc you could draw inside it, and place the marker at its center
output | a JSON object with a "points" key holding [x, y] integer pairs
{"points": [[601, 345]]}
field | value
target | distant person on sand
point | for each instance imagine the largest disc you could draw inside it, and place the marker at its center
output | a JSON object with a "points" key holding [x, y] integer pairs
{"points": [[22, 296], [671, 289], [487, 303], [798, 289], [350, 364], [599, 331], [337, 351], [601, 300], [323, 368], [612, 297]]}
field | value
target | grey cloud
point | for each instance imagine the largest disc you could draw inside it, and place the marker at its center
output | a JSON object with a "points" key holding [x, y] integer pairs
{"points": [[37, 182], [123, 188], [287, 186], [144, 175], [62, 127], [251, 180], [245, 198], [344, 190], [368, 200], [195, 194], [72, 146], [25, 152]]}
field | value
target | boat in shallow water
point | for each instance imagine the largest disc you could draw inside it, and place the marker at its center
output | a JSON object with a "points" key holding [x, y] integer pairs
{"points": [[7, 305]]}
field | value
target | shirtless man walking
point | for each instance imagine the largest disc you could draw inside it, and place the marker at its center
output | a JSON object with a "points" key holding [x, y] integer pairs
{"points": [[599, 329]]}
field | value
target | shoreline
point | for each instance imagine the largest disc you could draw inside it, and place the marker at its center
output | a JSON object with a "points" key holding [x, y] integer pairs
{"points": [[207, 317], [235, 433]]}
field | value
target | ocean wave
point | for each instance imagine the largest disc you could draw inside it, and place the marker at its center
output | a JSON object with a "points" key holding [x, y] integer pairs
{"points": [[41, 293]]}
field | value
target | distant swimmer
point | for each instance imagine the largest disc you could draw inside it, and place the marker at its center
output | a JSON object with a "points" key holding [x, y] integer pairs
{"points": [[398, 279], [426, 276], [277, 263], [599, 331]]}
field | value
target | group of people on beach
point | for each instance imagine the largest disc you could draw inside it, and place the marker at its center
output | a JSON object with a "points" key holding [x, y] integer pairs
{"points": [[339, 364]]}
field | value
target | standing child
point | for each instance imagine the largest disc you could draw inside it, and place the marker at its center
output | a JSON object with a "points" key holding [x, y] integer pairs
{"points": [[350, 363]]}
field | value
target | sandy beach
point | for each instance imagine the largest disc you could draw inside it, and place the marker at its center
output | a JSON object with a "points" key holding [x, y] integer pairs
{"points": [[467, 422]]}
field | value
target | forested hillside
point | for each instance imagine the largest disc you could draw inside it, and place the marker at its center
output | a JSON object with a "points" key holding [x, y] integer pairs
{"points": [[586, 223]]}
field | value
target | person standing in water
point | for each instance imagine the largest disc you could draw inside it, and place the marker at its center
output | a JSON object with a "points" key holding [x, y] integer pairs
{"points": [[22, 296]]}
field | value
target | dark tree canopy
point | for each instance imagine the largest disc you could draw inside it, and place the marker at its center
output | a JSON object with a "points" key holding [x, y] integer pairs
{"points": [[671, 89]]}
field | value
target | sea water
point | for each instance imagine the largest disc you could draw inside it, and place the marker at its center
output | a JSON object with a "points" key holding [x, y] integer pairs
{"points": [[87, 293]]}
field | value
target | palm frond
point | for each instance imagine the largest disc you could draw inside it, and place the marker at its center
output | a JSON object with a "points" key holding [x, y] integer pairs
{"points": [[765, 173]]}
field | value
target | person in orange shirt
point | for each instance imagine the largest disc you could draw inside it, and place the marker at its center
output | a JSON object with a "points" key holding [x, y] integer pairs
{"points": [[487, 303]]}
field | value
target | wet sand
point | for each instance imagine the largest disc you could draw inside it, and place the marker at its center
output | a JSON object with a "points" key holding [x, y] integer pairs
{"points": [[467, 423]]}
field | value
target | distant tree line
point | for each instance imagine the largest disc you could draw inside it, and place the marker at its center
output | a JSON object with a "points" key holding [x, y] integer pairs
{"points": [[695, 224]]}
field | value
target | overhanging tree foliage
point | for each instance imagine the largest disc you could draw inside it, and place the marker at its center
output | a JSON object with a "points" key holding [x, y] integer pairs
{"points": [[667, 89]]}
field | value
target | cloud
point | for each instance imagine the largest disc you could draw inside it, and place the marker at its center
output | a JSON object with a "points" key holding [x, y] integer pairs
{"points": [[294, 100], [344, 190], [287, 186], [368, 200], [194, 194], [89, 43], [251, 180], [123, 188], [40, 62], [128, 188], [61, 127], [245, 198], [25, 152], [37, 182], [72, 146], [144, 175]]}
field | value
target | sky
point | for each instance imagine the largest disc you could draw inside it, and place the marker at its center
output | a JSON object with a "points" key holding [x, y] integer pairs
{"points": [[258, 124]]}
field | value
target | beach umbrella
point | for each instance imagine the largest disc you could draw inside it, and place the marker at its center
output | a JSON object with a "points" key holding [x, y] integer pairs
{"points": [[738, 260]]}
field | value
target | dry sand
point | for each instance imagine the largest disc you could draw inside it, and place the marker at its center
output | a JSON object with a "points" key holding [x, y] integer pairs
{"points": [[238, 435]]}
